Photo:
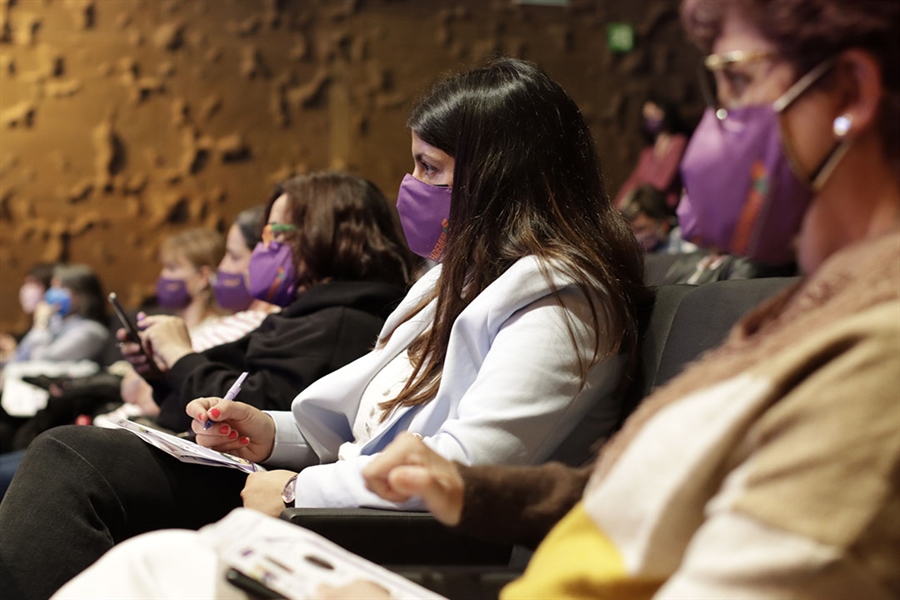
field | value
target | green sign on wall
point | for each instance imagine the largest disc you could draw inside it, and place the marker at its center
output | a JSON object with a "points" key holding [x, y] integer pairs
{"points": [[620, 37]]}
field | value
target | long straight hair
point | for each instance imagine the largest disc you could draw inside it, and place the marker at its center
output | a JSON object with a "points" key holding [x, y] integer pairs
{"points": [[526, 181]]}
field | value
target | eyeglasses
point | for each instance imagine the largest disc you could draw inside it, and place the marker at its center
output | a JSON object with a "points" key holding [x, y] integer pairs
{"points": [[277, 230], [717, 62], [722, 84]]}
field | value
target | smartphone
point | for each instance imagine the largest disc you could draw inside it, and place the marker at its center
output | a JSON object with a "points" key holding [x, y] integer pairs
{"points": [[133, 333], [255, 588], [131, 328]]}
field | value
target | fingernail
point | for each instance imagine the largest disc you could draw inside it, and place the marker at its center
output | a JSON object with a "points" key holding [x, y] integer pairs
{"points": [[223, 429], [245, 440], [233, 434], [215, 413]]}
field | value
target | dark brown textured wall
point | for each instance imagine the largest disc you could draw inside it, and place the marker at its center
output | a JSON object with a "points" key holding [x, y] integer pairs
{"points": [[122, 121]]}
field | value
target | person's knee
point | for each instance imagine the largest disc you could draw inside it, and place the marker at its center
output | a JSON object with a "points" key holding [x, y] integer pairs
{"points": [[84, 441], [65, 434], [72, 452]]}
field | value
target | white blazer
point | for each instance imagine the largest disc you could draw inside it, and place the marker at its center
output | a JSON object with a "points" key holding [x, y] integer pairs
{"points": [[509, 391]]}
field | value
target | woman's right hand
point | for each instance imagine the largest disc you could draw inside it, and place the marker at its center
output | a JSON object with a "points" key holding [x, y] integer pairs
{"points": [[407, 468], [236, 428], [131, 351]]}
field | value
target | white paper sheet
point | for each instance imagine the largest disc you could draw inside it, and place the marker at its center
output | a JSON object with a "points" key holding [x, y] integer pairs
{"points": [[185, 450]]}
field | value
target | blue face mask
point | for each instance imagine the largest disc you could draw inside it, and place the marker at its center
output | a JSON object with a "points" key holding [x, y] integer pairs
{"points": [[59, 297]]}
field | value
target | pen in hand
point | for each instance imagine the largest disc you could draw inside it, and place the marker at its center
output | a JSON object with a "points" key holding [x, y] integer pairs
{"points": [[231, 394]]}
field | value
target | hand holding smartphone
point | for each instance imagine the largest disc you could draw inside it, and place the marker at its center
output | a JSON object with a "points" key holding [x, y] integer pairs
{"points": [[131, 328], [133, 332]]}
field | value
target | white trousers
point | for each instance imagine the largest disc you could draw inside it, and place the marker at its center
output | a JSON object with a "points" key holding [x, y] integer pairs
{"points": [[171, 563]]}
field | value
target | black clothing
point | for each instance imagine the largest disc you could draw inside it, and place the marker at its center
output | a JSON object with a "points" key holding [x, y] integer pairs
{"points": [[326, 327]]}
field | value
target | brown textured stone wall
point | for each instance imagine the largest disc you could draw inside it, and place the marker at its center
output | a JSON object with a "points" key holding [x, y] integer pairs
{"points": [[122, 121]]}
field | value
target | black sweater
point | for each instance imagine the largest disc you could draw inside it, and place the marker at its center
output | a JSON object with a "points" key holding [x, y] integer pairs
{"points": [[326, 327]]}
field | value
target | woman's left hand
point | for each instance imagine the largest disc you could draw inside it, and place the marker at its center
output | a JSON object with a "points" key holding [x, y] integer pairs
{"points": [[42, 313], [263, 489], [168, 336]]}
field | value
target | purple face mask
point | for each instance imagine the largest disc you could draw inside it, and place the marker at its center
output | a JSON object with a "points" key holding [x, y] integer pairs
{"points": [[653, 126], [272, 276], [231, 291], [424, 210], [172, 294], [742, 195]]}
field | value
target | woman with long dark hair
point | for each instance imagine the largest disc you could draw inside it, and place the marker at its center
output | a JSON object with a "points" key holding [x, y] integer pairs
{"points": [[769, 467], [522, 332]]}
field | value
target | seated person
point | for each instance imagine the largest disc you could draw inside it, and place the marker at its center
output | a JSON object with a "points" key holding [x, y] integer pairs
{"points": [[330, 319], [335, 284], [184, 285], [768, 469], [487, 357], [32, 291], [70, 320], [231, 287], [660, 158], [69, 325], [231, 293], [654, 224]]}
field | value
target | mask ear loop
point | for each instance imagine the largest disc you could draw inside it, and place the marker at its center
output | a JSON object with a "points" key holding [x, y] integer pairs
{"points": [[803, 84], [821, 173]]}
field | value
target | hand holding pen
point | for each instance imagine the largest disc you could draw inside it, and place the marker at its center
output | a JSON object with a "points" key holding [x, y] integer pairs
{"points": [[231, 394], [236, 427]]}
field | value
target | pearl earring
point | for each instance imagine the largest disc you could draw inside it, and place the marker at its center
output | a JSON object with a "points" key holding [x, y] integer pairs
{"points": [[842, 126]]}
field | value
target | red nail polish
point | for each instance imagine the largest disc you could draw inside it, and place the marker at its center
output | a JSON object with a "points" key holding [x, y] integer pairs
{"points": [[233, 434], [223, 429], [245, 440], [215, 413]]}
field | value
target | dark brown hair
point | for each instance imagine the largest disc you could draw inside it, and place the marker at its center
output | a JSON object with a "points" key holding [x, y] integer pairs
{"points": [[345, 230], [526, 181], [86, 288], [806, 32], [250, 225], [647, 200]]}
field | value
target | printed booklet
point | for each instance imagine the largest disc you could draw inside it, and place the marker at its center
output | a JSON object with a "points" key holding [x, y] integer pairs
{"points": [[185, 450], [271, 558]]}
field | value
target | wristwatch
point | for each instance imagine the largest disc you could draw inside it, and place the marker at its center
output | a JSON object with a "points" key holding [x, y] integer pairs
{"points": [[287, 494]]}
